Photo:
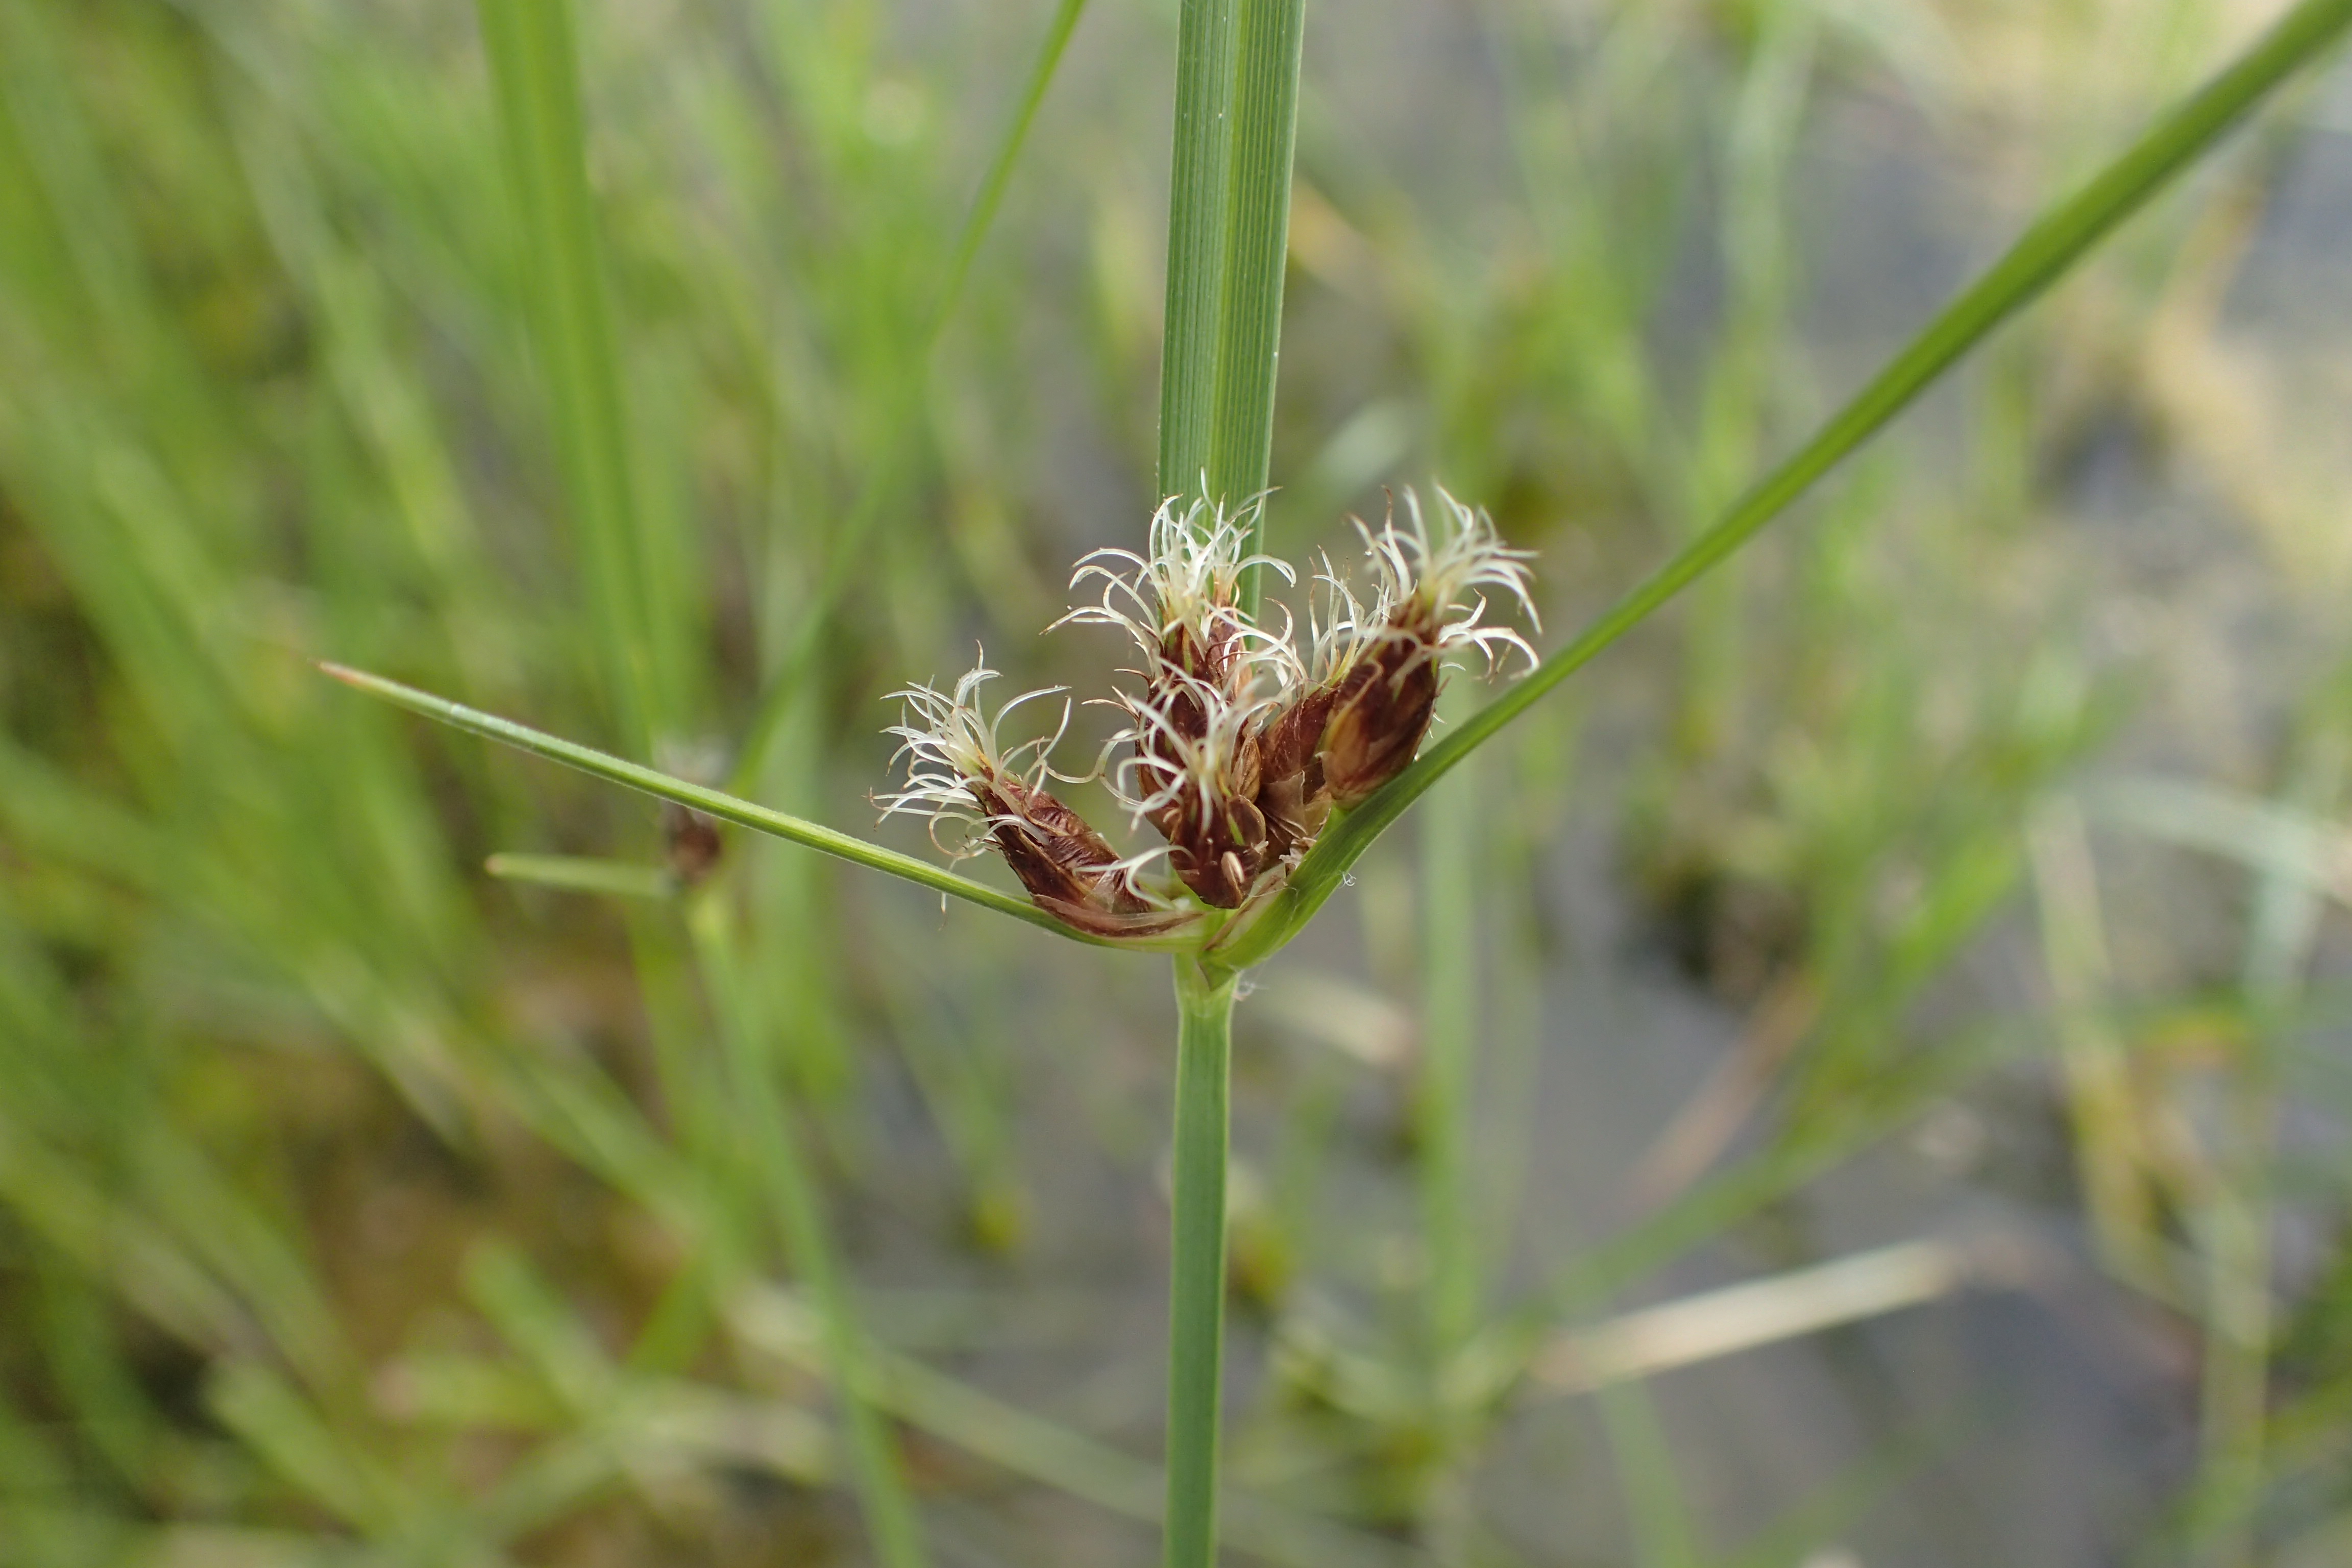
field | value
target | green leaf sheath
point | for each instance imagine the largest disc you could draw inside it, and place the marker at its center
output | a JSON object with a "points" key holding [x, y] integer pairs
{"points": [[2055, 242], [534, 74], [1196, 1290], [709, 802]]}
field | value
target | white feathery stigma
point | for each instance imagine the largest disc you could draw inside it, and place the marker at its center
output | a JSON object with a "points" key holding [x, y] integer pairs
{"points": [[1191, 578], [1343, 629], [951, 741], [1437, 579], [1169, 764]]}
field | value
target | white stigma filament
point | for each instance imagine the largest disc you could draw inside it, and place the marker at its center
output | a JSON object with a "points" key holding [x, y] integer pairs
{"points": [[1439, 578], [1344, 629], [1127, 874], [951, 743], [1167, 764], [1268, 659], [1191, 578]]}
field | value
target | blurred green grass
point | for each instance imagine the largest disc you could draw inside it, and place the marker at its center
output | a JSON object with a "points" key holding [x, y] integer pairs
{"points": [[353, 1204]]}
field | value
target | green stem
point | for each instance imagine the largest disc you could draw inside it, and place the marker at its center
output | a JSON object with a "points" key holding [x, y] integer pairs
{"points": [[1196, 246], [1196, 1286], [1449, 1030], [1267, 39], [1228, 236], [2041, 254]]}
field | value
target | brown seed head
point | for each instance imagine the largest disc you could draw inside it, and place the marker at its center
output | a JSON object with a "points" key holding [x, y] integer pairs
{"points": [[960, 776], [1070, 870], [1239, 747], [1379, 712], [1292, 794], [1196, 774]]}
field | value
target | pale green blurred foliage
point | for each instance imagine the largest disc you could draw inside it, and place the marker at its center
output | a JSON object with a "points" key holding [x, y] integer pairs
{"points": [[352, 1202]]}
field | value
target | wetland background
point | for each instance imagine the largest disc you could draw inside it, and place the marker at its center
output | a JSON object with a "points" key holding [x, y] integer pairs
{"points": [[1930, 932]]}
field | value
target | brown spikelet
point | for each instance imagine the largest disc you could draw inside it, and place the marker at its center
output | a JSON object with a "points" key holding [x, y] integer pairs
{"points": [[1219, 853], [1053, 851], [1218, 840], [1292, 794], [1379, 712]]}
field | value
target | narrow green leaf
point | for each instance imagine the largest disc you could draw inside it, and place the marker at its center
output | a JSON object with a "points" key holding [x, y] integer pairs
{"points": [[1258, 240], [984, 206], [709, 802], [875, 1466], [2054, 243], [1196, 241]]}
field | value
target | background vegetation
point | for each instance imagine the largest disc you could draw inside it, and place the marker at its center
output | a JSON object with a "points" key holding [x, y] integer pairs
{"points": [[1949, 894]]}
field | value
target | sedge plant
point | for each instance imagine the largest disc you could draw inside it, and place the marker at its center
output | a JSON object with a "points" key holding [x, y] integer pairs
{"points": [[1265, 761]]}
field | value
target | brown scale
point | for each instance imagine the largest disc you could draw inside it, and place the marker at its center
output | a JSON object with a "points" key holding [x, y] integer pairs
{"points": [[1291, 792], [1067, 867], [1379, 715], [1217, 848]]}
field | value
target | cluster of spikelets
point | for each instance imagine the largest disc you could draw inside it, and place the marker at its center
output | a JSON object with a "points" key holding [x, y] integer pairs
{"points": [[1239, 746]]}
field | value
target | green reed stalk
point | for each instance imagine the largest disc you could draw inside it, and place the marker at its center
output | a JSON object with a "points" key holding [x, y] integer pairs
{"points": [[1268, 37], [1196, 249], [1228, 239], [1228, 235], [1196, 1290]]}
